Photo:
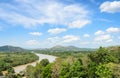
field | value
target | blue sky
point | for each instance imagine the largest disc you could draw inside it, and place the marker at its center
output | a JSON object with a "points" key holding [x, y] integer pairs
{"points": [[46, 23]]}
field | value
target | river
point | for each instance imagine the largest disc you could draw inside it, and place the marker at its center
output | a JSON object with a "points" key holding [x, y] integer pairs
{"points": [[41, 56]]}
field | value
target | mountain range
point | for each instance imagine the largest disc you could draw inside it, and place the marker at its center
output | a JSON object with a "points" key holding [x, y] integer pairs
{"points": [[8, 48]]}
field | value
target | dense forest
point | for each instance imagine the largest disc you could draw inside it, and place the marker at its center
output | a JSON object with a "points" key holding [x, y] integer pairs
{"points": [[103, 63]]}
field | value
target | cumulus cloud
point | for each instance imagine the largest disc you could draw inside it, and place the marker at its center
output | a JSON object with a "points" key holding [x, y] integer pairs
{"points": [[56, 30], [33, 13], [70, 38], [113, 30], [32, 42], [78, 23], [54, 39], [110, 7], [103, 37], [86, 35], [35, 33], [110, 40], [85, 43], [99, 32], [64, 39]]}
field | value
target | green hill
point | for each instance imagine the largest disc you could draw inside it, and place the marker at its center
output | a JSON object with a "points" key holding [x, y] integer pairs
{"points": [[69, 48], [8, 48]]}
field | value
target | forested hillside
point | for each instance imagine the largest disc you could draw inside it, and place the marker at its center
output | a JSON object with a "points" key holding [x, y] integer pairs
{"points": [[8, 48], [103, 63], [99, 64]]}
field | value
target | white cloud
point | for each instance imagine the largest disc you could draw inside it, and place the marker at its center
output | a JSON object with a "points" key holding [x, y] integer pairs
{"points": [[33, 13], [103, 37], [119, 38], [113, 30], [70, 38], [110, 7], [35, 33], [56, 30], [64, 39], [86, 35], [99, 32], [78, 23], [32, 42], [85, 43], [110, 40], [54, 39]]}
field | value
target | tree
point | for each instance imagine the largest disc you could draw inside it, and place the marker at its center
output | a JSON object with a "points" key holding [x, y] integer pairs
{"points": [[44, 62], [56, 68], [77, 69], [92, 70], [37, 71], [65, 70], [103, 71], [11, 73], [10, 70], [102, 56], [46, 72], [29, 71]]}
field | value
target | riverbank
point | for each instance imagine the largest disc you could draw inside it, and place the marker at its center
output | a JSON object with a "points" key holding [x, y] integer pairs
{"points": [[51, 58]]}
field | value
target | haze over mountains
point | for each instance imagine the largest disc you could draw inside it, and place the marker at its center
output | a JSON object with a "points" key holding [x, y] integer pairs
{"points": [[70, 48], [8, 48]]}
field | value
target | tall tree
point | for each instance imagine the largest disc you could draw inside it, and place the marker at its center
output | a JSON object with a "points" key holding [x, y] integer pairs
{"points": [[46, 72], [77, 70]]}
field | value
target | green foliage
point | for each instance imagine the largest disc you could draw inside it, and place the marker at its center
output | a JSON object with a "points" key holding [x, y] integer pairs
{"points": [[11, 75], [77, 70], [115, 68], [8, 60], [56, 68], [65, 70], [46, 72], [29, 71], [73, 65], [44, 62], [102, 56], [92, 70], [65, 54], [37, 71], [42, 69], [10, 70], [103, 71]]}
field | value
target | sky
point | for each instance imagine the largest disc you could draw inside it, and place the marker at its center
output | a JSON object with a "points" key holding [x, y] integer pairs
{"points": [[46, 23]]}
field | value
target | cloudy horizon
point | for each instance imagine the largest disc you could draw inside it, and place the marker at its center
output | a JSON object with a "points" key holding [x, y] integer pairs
{"points": [[43, 24]]}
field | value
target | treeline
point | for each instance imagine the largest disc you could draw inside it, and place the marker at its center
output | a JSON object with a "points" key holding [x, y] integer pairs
{"points": [[100, 64], [65, 54], [10, 59], [103, 63]]}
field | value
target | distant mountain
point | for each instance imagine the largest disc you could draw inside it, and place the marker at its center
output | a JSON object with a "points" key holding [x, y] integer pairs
{"points": [[8, 48], [69, 48]]}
